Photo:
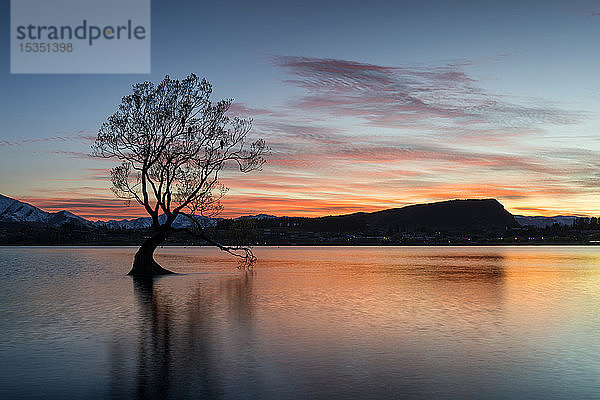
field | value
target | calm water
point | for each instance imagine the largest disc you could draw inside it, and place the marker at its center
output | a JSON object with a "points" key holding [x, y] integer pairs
{"points": [[308, 323]]}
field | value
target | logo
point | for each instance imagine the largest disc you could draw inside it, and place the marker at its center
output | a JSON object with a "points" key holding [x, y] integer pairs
{"points": [[80, 36], [82, 32]]}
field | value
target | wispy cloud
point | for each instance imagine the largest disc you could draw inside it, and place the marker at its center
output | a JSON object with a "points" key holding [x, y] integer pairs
{"points": [[72, 154], [87, 205], [66, 137], [244, 111], [444, 136], [86, 175], [403, 96], [363, 137]]}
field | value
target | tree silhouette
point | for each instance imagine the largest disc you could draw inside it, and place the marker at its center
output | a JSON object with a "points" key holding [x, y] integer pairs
{"points": [[173, 142]]}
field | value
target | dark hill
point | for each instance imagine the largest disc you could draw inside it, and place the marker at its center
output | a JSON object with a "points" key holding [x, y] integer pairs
{"points": [[452, 215]]}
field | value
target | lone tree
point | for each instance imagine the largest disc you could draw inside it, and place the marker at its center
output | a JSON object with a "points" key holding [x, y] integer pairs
{"points": [[173, 142]]}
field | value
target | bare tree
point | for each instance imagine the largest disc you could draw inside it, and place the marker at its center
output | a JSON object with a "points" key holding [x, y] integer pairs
{"points": [[173, 142]]}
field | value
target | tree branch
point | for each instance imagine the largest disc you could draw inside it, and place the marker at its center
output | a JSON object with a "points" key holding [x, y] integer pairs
{"points": [[248, 258]]}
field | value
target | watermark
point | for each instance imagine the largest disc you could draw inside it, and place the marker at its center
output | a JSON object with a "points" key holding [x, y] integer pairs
{"points": [[80, 36]]}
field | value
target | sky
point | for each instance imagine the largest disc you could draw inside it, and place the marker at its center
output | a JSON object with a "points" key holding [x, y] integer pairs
{"points": [[365, 105]]}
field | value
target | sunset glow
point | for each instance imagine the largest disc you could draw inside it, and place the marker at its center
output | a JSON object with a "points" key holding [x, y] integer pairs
{"points": [[408, 114]]}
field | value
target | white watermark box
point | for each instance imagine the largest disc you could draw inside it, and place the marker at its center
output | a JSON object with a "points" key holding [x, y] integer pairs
{"points": [[79, 36]]}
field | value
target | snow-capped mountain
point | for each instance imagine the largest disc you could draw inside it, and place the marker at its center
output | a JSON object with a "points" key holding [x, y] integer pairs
{"points": [[257, 216], [15, 210], [543, 222], [62, 217], [18, 211], [145, 222]]}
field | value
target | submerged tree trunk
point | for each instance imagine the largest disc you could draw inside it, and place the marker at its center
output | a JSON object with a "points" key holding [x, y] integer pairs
{"points": [[143, 262]]}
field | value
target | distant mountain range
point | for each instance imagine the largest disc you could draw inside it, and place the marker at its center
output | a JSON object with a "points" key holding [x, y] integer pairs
{"points": [[452, 214], [18, 211], [544, 222]]}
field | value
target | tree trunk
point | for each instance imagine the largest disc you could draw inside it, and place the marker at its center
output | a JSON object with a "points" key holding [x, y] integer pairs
{"points": [[143, 262]]}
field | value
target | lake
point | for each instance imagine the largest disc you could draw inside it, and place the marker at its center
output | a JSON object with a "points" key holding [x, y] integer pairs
{"points": [[306, 323]]}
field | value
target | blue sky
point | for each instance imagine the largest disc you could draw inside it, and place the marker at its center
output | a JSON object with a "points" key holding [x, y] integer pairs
{"points": [[367, 105]]}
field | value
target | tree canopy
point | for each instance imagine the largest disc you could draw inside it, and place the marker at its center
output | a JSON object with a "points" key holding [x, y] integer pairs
{"points": [[173, 143]]}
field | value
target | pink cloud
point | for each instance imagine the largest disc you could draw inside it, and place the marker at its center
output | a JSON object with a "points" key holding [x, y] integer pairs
{"points": [[88, 206], [399, 96]]}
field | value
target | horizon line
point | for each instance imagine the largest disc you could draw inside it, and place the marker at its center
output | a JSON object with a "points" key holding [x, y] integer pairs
{"points": [[143, 214]]}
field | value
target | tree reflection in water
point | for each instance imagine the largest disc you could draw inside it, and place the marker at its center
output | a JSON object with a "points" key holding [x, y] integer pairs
{"points": [[180, 339], [317, 323], [345, 333]]}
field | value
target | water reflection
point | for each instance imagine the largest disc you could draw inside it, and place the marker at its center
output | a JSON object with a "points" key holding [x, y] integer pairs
{"points": [[204, 338], [319, 323], [488, 268], [154, 340], [473, 283], [179, 351]]}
